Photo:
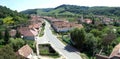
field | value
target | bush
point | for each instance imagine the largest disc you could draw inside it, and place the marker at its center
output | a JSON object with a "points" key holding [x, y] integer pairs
{"points": [[84, 56], [16, 43], [1, 42]]}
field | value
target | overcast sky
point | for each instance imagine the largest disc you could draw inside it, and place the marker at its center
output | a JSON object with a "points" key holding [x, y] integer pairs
{"points": [[20, 5]]}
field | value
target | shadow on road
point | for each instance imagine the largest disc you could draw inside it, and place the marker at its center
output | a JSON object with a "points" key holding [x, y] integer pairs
{"points": [[70, 48]]}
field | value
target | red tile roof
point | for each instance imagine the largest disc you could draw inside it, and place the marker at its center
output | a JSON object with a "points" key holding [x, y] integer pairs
{"points": [[65, 24], [25, 51], [25, 31], [61, 24], [116, 51]]}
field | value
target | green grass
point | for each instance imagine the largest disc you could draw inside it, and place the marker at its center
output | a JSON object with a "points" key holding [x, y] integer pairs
{"points": [[84, 56], [71, 19], [1, 46], [42, 32], [87, 56], [66, 38], [60, 38], [45, 51], [54, 32]]}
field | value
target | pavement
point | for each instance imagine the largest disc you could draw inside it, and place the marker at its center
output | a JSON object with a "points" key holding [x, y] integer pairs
{"points": [[67, 51]]}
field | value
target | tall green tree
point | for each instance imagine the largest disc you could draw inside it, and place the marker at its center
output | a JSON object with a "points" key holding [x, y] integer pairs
{"points": [[107, 41], [6, 36], [78, 37], [91, 43], [16, 43], [1, 35], [108, 38], [18, 35], [1, 38]]}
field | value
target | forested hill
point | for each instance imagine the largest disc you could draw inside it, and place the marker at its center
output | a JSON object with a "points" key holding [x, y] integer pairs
{"points": [[4, 12], [34, 11], [73, 10], [9, 17]]}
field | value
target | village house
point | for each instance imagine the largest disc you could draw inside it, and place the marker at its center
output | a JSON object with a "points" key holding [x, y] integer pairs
{"points": [[36, 24], [64, 26], [60, 26], [34, 28], [114, 55], [26, 33], [107, 21], [75, 25], [87, 20], [26, 52]]}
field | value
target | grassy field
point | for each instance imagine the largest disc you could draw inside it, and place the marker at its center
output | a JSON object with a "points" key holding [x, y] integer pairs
{"points": [[47, 50], [41, 33]]}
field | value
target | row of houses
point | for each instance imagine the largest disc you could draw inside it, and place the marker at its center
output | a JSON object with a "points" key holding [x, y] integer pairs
{"points": [[30, 30], [62, 25], [100, 20], [33, 28]]}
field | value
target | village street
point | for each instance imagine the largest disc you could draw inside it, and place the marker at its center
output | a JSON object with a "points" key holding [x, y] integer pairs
{"points": [[65, 50]]}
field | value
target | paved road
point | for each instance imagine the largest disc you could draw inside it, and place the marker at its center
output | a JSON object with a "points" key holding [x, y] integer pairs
{"points": [[65, 50]]}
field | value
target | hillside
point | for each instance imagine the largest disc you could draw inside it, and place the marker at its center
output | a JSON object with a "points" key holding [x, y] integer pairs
{"points": [[4, 12], [12, 18], [34, 11], [73, 10]]}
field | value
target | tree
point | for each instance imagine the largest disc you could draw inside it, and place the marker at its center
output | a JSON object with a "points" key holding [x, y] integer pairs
{"points": [[6, 36], [16, 43], [18, 35], [91, 43], [8, 20], [1, 38], [96, 32], [1, 35], [7, 53], [107, 40], [78, 37], [118, 31]]}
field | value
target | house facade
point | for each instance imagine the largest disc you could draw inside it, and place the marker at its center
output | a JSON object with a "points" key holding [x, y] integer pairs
{"points": [[26, 33]]}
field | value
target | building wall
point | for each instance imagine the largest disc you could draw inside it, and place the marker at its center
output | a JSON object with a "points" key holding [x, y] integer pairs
{"points": [[29, 37]]}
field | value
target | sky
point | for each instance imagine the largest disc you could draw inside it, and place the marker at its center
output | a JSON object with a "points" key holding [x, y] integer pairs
{"points": [[21, 5]]}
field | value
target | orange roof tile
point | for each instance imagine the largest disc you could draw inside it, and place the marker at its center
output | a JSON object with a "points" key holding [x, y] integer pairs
{"points": [[25, 51], [116, 51]]}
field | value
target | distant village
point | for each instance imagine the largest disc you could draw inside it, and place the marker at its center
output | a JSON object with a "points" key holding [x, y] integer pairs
{"points": [[31, 30]]}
